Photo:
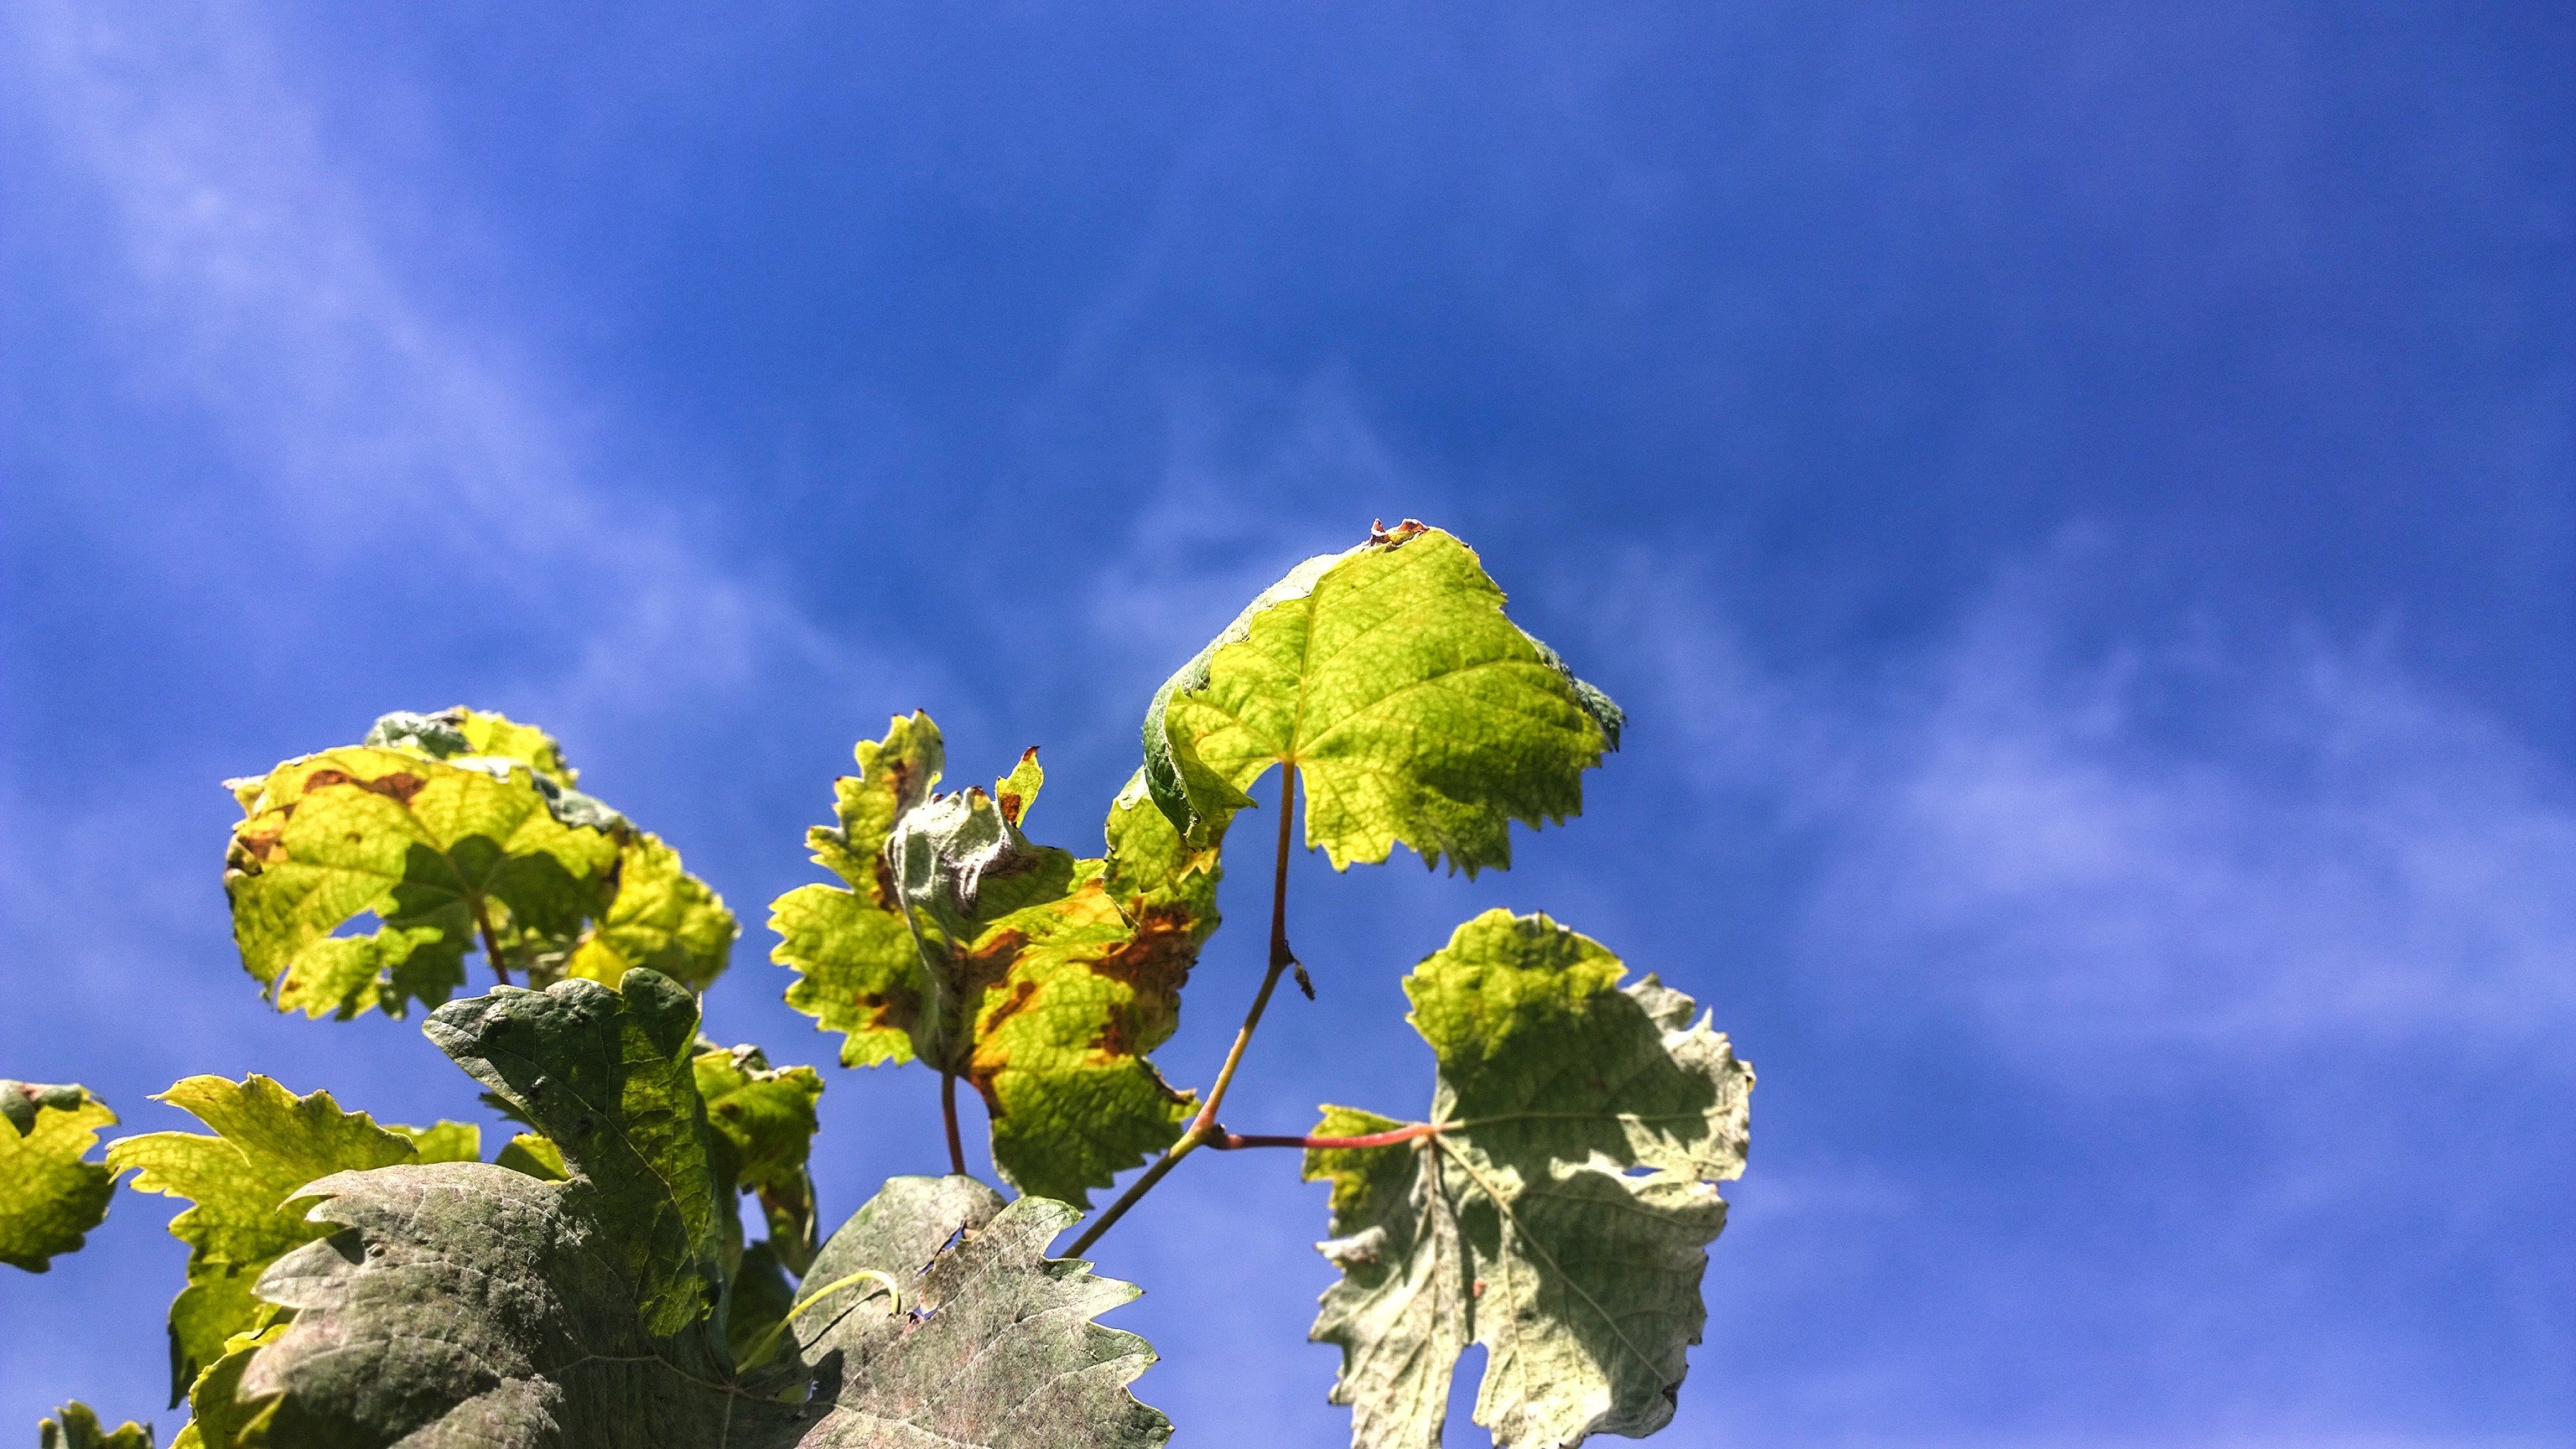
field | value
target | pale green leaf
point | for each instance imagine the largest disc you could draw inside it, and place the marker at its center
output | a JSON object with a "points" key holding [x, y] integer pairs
{"points": [[606, 1075], [242, 1183], [464, 1304], [50, 1195], [658, 916], [1560, 1213], [1413, 710], [74, 1426], [1041, 979]]}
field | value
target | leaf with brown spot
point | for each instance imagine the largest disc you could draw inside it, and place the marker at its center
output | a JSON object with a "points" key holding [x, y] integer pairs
{"points": [[1042, 979], [454, 832]]}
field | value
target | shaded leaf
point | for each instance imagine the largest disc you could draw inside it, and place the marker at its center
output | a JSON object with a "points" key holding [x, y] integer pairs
{"points": [[241, 1183], [50, 1196], [534, 1155], [1559, 1216], [75, 1426], [465, 1304], [607, 1076], [1042, 979], [763, 1121], [1413, 709]]}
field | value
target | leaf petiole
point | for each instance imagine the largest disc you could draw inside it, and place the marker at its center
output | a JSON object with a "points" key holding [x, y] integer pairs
{"points": [[1237, 1141], [1203, 1130]]}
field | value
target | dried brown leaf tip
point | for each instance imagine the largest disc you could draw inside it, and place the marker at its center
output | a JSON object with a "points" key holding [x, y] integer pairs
{"points": [[1381, 536]]}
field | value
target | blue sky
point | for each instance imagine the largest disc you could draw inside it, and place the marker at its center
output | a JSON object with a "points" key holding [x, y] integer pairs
{"points": [[2079, 503]]}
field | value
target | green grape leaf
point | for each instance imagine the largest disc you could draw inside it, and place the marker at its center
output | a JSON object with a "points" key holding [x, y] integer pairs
{"points": [[242, 1185], [1041, 979], [1560, 1210], [76, 1426], [50, 1196], [217, 1417], [464, 1304], [658, 916], [454, 831], [607, 1076], [1413, 710], [763, 1123]]}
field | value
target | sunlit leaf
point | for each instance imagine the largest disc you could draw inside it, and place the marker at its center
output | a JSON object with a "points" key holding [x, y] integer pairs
{"points": [[1041, 979], [362, 877], [242, 1182], [50, 1195], [1560, 1213], [858, 970], [1413, 709], [74, 1426], [658, 916]]}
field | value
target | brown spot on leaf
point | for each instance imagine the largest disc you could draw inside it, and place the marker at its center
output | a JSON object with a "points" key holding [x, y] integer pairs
{"points": [[894, 1010], [990, 961], [1021, 994], [887, 899], [1012, 803], [897, 774], [1155, 962], [1381, 536], [398, 787]]}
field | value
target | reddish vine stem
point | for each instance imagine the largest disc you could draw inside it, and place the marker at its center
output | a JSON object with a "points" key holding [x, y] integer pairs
{"points": [[1203, 1130], [1237, 1141], [948, 1112]]}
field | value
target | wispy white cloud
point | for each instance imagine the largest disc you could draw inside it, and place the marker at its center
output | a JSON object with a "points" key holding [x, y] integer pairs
{"points": [[379, 423], [2141, 842]]}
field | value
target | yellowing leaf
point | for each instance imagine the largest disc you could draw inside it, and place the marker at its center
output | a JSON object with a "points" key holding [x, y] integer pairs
{"points": [[455, 831], [1559, 1211], [763, 1123], [241, 1182], [1041, 979], [50, 1195], [1412, 708], [74, 1426], [858, 970]]}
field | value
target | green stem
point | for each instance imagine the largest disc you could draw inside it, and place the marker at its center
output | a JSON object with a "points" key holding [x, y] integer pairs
{"points": [[1203, 1129]]}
